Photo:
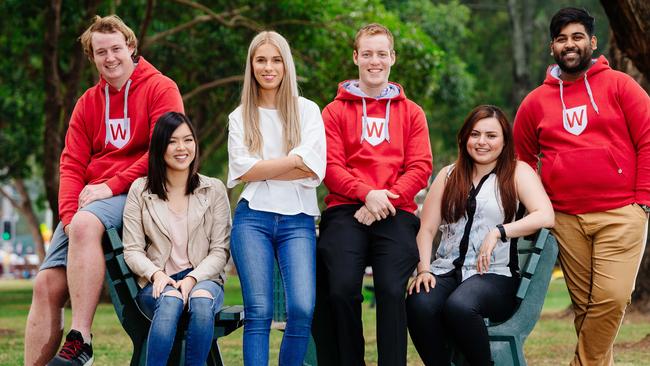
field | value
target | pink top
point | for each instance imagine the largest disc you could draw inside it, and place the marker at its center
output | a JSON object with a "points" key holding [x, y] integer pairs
{"points": [[178, 258]]}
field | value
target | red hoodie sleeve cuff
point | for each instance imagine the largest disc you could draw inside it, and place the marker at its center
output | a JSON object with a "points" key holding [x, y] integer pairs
{"points": [[65, 220], [117, 185], [362, 191]]}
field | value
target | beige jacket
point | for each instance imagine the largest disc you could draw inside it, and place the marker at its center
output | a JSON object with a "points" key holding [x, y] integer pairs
{"points": [[147, 244]]}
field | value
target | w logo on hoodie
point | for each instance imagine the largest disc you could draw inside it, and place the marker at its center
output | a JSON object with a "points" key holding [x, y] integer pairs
{"points": [[374, 130], [118, 131], [575, 119]]}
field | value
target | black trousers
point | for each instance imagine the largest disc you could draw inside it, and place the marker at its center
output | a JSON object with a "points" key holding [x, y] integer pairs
{"points": [[454, 310], [345, 247]]}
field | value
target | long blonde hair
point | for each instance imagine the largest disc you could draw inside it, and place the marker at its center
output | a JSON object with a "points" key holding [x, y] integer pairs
{"points": [[286, 98]]}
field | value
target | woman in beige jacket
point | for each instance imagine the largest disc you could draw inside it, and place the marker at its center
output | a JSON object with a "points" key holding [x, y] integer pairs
{"points": [[176, 239]]}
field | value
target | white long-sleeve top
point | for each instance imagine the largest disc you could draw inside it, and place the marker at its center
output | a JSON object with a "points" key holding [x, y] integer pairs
{"points": [[283, 197]]}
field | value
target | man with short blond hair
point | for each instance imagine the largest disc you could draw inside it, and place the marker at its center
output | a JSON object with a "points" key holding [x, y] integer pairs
{"points": [[105, 151], [378, 158]]}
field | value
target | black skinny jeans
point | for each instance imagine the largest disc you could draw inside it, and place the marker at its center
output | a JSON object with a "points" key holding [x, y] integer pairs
{"points": [[454, 311]]}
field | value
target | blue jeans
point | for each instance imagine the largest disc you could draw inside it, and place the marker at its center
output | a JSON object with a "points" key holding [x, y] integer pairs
{"points": [[257, 239], [165, 312]]}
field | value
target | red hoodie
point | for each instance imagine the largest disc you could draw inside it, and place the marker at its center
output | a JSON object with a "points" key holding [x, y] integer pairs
{"points": [[366, 156], [116, 155], [597, 157]]}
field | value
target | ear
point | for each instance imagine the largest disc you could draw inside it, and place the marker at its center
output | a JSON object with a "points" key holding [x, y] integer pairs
{"points": [[550, 46], [393, 57], [355, 56], [131, 50], [594, 42]]}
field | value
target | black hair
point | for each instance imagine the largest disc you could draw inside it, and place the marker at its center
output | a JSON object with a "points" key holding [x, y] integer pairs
{"points": [[157, 175], [571, 15]]}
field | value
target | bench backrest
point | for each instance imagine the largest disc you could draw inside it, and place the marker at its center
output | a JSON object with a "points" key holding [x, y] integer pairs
{"points": [[529, 251]]}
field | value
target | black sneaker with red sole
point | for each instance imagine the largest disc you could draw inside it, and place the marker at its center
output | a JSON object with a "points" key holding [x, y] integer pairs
{"points": [[74, 352]]}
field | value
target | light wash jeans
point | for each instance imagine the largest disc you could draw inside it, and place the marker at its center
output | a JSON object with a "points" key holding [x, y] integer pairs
{"points": [[166, 311], [257, 239]]}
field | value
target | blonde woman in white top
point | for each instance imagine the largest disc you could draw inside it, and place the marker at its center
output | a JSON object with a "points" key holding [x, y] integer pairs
{"points": [[276, 147]]}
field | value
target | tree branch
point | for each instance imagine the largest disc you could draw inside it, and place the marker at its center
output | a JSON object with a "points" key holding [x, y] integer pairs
{"points": [[212, 84], [158, 36], [145, 23], [13, 201], [27, 211], [216, 143], [220, 17], [235, 15]]}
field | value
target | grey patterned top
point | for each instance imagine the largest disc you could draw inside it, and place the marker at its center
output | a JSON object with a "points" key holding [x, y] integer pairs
{"points": [[488, 214]]}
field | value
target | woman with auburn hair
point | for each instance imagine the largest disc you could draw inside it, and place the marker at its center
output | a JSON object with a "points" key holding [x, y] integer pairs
{"points": [[477, 203], [276, 147], [176, 240]]}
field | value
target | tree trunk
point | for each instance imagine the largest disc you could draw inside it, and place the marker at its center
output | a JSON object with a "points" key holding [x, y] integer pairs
{"points": [[630, 22], [61, 93], [521, 22], [630, 53], [52, 143], [26, 209]]}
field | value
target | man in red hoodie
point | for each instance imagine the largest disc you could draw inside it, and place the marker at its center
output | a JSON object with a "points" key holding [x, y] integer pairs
{"points": [[378, 158], [105, 151], [590, 126]]}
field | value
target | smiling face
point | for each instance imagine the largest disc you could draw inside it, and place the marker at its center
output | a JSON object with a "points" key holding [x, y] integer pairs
{"points": [[485, 142], [374, 56], [268, 67], [572, 49], [112, 57], [181, 149]]}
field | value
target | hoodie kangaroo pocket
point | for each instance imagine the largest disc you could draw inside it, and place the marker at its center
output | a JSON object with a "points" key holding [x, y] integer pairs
{"points": [[584, 172]]}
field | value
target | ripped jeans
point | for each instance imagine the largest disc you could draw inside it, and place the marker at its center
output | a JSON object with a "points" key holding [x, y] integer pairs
{"points": [[165, 312]]}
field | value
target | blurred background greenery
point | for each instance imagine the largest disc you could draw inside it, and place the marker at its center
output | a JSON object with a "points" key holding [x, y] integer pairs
{"points": [[451, 56]]}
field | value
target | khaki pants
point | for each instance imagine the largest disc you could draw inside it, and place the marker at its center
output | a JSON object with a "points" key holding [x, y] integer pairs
{"points": [[600, 254]]}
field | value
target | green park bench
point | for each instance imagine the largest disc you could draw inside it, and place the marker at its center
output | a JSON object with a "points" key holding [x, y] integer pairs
{"points": [[123, 289], [537, 257]]}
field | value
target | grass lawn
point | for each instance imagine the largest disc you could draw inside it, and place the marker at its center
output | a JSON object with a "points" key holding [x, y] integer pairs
{"points": [[551, 342]]}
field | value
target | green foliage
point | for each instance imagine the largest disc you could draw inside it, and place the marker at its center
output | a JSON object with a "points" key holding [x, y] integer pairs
{"points": [[428, 39], [450, 90], [451, 56], [21, 102]]}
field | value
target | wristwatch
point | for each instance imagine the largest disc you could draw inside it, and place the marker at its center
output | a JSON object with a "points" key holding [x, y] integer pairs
{"points": [[645, 208]]}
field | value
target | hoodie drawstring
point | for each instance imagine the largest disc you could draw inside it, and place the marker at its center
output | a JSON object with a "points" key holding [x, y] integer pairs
{"points": [[591, 96], [108, 107], [562, 97], [387, 120], [364, 117], [555, 73]]}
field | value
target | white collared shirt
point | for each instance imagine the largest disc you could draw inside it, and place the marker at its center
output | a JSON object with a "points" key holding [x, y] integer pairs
{"points": [[283, 197]]}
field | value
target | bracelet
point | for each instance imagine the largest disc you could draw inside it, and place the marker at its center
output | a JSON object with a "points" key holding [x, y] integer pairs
{"points": [[502, 231], [421, 272]]}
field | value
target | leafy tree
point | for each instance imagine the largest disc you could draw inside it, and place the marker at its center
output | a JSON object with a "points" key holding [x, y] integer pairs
{"points": [[20, 110], [202, 45]]}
